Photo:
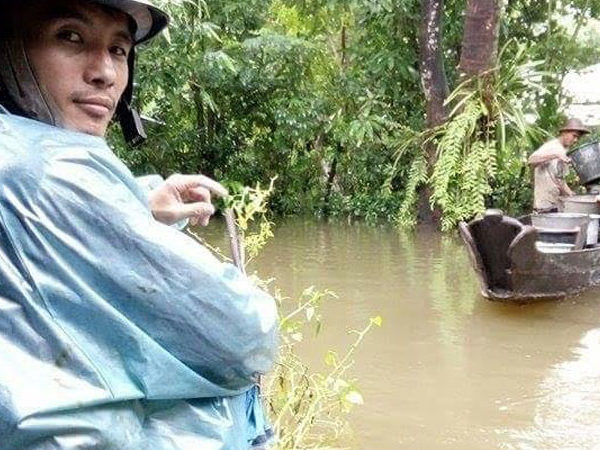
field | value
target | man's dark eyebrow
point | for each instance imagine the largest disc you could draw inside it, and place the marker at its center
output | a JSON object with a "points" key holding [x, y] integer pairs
{"points": [[125, 35]]}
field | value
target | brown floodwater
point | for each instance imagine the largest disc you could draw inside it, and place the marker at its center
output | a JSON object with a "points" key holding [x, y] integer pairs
{"points": [[448, 369]]}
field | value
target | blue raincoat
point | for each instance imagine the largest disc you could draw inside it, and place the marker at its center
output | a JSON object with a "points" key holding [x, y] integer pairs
{"points": [[116, 331]]}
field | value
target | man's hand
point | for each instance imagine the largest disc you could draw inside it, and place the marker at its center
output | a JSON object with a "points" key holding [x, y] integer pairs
{"points": [[185, 196], [565, 189]]}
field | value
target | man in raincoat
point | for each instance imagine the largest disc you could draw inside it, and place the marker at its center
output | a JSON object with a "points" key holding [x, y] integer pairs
{"points": [[117, 331]]}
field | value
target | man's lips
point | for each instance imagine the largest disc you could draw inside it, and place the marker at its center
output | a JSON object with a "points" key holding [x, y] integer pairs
{"points": [[95, 106]]}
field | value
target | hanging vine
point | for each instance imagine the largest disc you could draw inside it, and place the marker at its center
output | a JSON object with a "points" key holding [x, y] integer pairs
{"points": [[487, 111]]}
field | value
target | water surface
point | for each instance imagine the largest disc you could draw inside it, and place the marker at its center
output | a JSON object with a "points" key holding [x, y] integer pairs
{"points": [[448, 369]]}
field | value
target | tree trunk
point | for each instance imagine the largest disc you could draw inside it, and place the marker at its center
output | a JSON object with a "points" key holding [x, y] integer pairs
{"points": [[330, 183], [433, 74], [332, 175], [480, 37], [435, 88]]}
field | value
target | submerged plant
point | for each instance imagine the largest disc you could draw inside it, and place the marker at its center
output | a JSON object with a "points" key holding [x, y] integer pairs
{"points": [[249, 205], [308, 408]]}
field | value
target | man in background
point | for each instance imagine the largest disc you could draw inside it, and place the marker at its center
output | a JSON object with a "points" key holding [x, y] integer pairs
{"points": [[550, 165]]}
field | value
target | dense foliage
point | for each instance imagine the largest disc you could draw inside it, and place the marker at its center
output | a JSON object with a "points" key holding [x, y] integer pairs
{"points": [[325, 95]]}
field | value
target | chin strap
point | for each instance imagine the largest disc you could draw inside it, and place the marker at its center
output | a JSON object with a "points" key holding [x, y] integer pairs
{"points": [[131, 124], [129, 118]]}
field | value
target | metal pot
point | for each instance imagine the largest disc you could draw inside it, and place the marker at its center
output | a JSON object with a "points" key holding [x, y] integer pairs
{"points": [[586, 162], [592, 230], [562, 221], [585, 204], [561, 228], [550, 236]]}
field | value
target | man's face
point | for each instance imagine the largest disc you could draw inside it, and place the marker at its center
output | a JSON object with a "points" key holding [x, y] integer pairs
{"points": [[79, 52], [570, 138]]}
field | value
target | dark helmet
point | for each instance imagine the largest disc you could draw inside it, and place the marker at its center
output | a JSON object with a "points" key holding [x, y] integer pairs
{"points": [[148, 19], [20, 91]]}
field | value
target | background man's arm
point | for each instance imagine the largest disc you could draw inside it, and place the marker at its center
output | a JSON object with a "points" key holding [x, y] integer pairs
{"points": [[541, 157]]}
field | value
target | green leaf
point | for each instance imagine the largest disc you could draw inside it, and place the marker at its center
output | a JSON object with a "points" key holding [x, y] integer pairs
{"points": [[354, 397], [331, 358], [377, 320], [310, 312]]}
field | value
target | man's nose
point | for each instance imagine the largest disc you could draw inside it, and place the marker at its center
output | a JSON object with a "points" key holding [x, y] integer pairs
{"points": [[100, 68]]}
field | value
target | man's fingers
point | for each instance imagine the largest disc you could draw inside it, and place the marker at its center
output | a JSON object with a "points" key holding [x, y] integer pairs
{"points": [[185, 197], [199, 212], [198, 194], [196, 181]]}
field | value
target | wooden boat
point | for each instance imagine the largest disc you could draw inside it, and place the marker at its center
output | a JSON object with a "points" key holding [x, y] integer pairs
{"points": [[511, 265]]}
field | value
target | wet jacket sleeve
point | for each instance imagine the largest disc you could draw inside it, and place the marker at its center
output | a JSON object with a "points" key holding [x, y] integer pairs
{"points": [[202, 311], [88, 220]]}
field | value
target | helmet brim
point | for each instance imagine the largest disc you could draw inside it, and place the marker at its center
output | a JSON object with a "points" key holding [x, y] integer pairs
{"points": [[149, 20]]}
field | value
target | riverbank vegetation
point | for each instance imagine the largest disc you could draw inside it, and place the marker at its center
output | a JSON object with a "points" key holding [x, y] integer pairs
{"points": [[400, 111]]}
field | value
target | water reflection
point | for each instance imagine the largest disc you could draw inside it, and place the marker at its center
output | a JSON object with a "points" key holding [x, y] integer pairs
{"points": [[566, 412], [453, 293]]}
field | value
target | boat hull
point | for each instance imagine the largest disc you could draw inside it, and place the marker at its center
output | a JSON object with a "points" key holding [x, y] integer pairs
{"points": [[510, 268]]}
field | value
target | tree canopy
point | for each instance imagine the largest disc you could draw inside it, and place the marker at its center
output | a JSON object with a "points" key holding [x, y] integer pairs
{"points": [[328, 96]]}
